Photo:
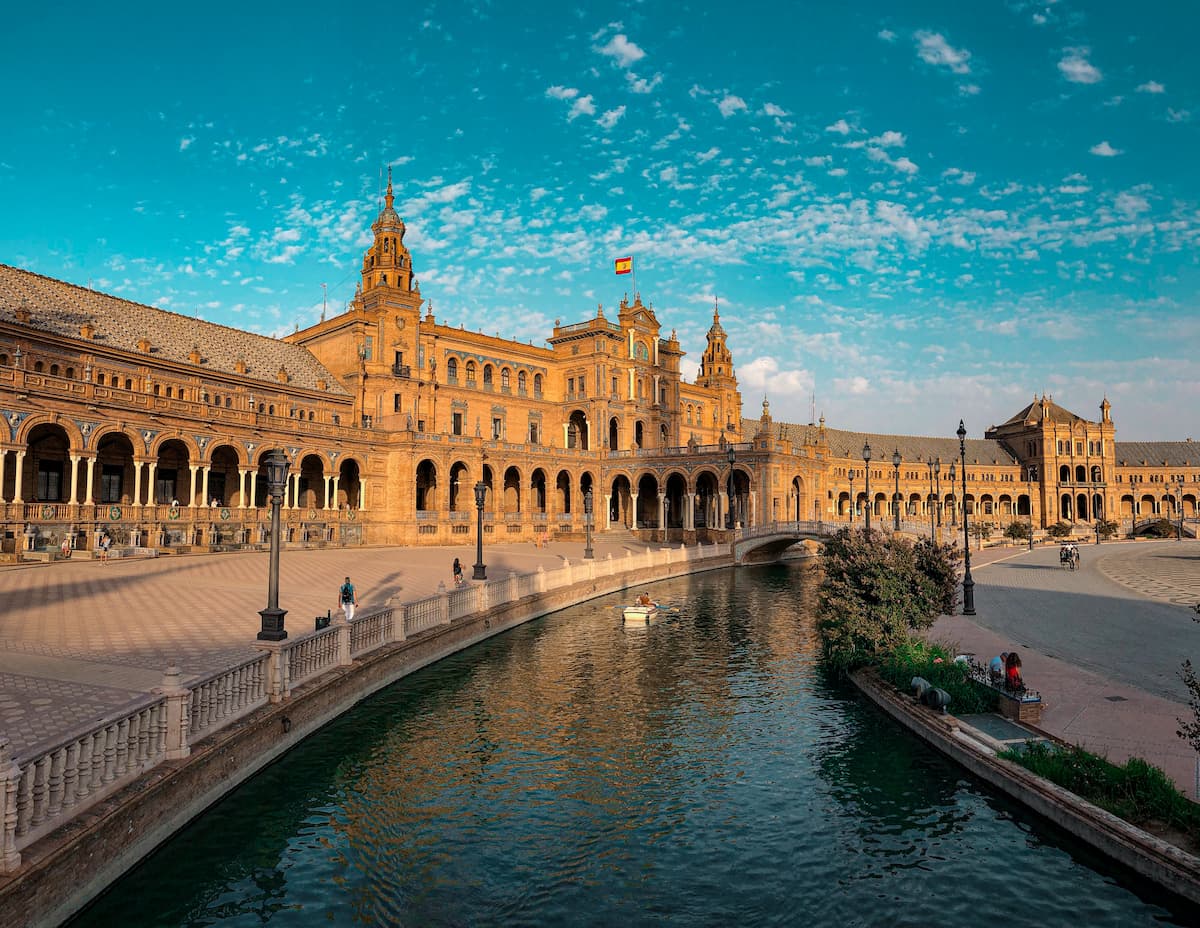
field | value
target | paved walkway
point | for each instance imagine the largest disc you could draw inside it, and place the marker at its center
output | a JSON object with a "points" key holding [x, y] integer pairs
{"points": [[1102, 644], [79, 639]]}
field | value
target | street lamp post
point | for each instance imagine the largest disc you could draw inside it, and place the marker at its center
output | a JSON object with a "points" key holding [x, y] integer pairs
{"points": [[933, 499], [1177, 495], [729, 488], [272, 617], [896, 459], [953, 506], [480, 497], [587, 524], [968, 583], [852, 500], [867, 478], [1029, 480]]}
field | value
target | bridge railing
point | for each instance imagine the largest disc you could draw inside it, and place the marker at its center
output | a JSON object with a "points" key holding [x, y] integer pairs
{"points": [[821, 529]]}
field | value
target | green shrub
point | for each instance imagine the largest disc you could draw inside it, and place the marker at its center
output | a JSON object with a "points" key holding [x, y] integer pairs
{"points": [[914, 657], [1136, 791], [1060, 530]]}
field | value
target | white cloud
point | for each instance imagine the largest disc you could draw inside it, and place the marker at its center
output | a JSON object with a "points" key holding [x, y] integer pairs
{"points": [[889, 139], [611, 117], [708, 155], [933, 48], [763, 375], [1174, 115], [968, 90], [770, 109], [816, 161], [1077, 69], [1151, 87], [537, 193], [1104, 150], [730, 105], [959, 176], [622, 51], [558, 92], [184, 144], [887, 35], [640, 84], [1131, 205], [582, 107], [856, 386], [841, 127]]}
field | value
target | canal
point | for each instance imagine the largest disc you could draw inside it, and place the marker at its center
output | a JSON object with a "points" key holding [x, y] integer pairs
{"points": [[701, 771]]}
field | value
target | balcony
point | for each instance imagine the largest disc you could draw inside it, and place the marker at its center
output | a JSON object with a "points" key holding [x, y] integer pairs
{"points": [[403, 371]]}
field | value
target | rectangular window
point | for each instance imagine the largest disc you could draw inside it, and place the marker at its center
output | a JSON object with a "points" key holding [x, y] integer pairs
{"points": [[395, 402], [369, 348], [420, 425], [582, 387], [110, 483], [456, 426], [614, 389], [497, 427], [533, 433], [164, 486], [1060, 446], [1079, 448], [50, 481], [570, 386]]}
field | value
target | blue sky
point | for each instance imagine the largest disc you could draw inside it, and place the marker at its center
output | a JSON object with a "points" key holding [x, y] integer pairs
{"points": [[919, 212]]}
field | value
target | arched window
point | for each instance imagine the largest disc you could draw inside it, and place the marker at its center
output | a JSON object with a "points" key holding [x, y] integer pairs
{"points": [[128, 383], [53, 370], [452, 370], [521, 381], [170, 391], [38, 367], [471, 373], [70, 374], [487, 375], [271, 410], [228, 402], [1064, 474], [537, 384], [310, 415], [1096, 476], [100, 380], [156, 390], [4, 360], [505, 379]]}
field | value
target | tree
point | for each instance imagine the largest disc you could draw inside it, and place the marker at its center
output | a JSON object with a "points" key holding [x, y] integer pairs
{"points": [[1190, 731], [1017, 531], [1060, 530], [980, 531], [1162, 528], [876, 589], [1107, 528]]}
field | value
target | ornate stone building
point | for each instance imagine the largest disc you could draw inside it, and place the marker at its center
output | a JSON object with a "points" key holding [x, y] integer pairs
{"points": [[153, 426]]}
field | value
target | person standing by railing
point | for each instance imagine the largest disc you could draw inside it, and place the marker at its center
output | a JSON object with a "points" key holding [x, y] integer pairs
{"points": [[348, 599]]}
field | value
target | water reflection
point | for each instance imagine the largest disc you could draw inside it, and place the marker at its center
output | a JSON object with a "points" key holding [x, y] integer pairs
{"points": [[699, 771]]}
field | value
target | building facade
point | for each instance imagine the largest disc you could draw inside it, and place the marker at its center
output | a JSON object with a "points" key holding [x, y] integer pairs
{"points": [[153, 427]]}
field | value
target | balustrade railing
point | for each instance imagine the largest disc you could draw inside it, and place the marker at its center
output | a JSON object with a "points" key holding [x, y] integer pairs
{"points": [[45, 787]]}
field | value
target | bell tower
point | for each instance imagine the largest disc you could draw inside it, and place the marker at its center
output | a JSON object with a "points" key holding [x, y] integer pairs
{"points": [[716, 374], [387, 272]]}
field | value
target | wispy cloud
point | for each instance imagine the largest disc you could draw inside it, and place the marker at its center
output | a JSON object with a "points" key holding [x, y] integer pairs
{"points": [[1076, 68], [933, 48], [1151, 87], [1105, 150], [621, 50], [730, 104]]}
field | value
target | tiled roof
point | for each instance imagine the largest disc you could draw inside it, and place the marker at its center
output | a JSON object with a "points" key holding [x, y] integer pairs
{"points": [[62, 309], [1033, 411], [846, 444], [1157, 453]]}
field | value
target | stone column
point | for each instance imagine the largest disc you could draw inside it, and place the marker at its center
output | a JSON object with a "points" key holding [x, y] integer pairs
{"points": [[362, 494], [752, 516], [327, 496], [91, 482], [722, 503], [689, 512], [253, 488], [295, 491], [607, 511], [662, 510], [204, 484], [566, 433], [633, 510], [336, 480], [242, 487], [74, 477], [151, 499], [137, 483], [3, 460], [192, 486]]}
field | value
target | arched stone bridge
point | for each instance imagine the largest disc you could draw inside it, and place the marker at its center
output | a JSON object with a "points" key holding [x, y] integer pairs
{"points": [[767, 542], [1189, 525]]}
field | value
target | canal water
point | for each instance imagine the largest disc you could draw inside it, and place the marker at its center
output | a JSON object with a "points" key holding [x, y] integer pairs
{"points": [[701, 771]]}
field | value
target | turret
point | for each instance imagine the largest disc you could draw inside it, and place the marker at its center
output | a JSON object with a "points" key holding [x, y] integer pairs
{"points": [[387, 263]]}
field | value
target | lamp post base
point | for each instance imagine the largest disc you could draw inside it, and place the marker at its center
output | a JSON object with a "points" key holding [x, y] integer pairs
{"points": [[968, 595], [272, 625], [480, 572]]}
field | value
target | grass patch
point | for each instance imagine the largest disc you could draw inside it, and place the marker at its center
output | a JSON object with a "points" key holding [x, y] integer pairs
{"points": [[918, 658], [1136, 791]]}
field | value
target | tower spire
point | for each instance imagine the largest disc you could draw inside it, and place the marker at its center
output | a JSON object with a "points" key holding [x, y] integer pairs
{"points": [[387, 197]]}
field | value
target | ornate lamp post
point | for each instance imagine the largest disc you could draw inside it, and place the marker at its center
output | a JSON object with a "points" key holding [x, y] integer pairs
{"points": [[953, 508], [867, 478], [968, 583], [1177, 495], [852, 500], [1029, 478], [935, 468], [272, 617], [587, 524], [480, 497], [896, 459], [729, 491]]}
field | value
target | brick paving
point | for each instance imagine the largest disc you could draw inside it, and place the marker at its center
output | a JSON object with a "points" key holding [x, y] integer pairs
{"points": [[1104, 653]]}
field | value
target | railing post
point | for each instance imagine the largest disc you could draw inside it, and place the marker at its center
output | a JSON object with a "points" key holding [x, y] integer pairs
{"points": [[514, 591], [609, 566], [179, 710], [483, 603], [10, 777], [540, 582], [343, 638], [443, 604], [277, 681]]}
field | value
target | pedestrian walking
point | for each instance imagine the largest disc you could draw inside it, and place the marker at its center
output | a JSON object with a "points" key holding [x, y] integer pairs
{"points": [[104, 545], [348, 599], [456, 570]]}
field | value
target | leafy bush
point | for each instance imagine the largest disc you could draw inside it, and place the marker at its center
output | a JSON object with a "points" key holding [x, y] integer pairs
{"points": [[1017, 531], [914, 657], [1136, 791], [1060, 530], [876, 589], [1163, 528], [1107, 528]]}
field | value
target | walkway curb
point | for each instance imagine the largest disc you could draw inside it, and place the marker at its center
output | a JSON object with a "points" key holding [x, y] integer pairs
{"points": [[1163, 863], [63, 872]]}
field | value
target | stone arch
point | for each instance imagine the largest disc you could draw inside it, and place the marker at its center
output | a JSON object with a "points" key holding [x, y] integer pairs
{"points": [[1097, 506], [639, 434], [461, 495], [676, 499], [172, 473], [577, 430], [537, 491], [1080, 473], [647, 501], [224, 477], [1064, 474], [1146, 506], [349, 491], [113, 474], [620, 499], [75, 440], [425, 486], [1066, 511], [45, 472], [512, 490], [1127, 506], [562, 488], [614, 433], [1081, 507], [739, 503], [708, 489], [799, 509], [1097, 474]]}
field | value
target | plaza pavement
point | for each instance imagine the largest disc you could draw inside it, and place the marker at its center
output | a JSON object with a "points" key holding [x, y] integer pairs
{"points": [[1103, 644], [80, 639]]}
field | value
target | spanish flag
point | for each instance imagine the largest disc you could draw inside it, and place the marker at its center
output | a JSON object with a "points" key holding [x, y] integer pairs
{"points": [[624, 265]]}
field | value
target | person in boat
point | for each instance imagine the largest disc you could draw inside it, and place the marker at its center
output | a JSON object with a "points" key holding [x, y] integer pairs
{"points": [[644, 600]]}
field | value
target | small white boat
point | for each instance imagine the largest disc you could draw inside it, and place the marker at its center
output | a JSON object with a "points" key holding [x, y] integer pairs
{"points": [[641, 615]]}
